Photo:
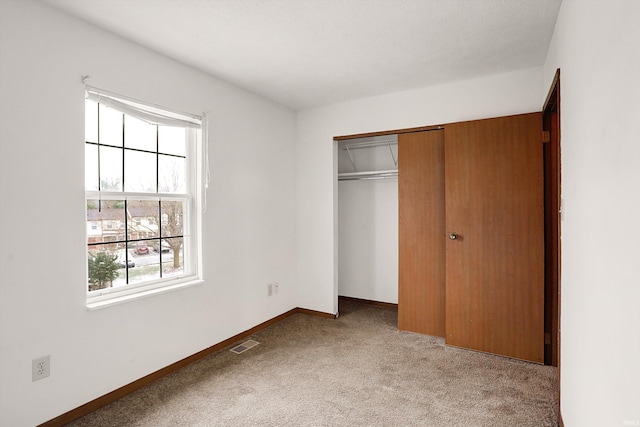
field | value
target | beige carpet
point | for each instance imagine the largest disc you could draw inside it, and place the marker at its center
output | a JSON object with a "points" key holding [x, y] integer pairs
{"points": [[357, 370]]}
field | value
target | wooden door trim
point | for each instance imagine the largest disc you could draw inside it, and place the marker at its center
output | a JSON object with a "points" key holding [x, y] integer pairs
{"points": [[389, 132], [553, 96], [403, 130], [551, 124], [553, 302]]}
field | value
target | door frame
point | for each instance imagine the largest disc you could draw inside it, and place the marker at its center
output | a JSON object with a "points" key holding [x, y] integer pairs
{"points": [[553, 218], [552, 207]]}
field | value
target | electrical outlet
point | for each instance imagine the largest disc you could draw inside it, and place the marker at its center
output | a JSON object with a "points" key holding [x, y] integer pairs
{"points": [[276, 287], [40, 368], [269, 289]]}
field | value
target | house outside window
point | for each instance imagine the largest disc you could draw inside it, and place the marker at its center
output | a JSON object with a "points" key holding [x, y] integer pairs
{"points": [[141, 170]]}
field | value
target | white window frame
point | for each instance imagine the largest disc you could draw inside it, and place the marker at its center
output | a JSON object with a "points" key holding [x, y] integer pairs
{"points": [[192, 211]]}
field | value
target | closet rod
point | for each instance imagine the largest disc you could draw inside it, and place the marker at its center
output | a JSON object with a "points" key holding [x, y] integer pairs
{"points": [[352, 176]]}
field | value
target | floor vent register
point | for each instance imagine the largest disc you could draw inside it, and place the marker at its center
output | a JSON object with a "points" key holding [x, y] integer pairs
{"points": [[241, 348]]}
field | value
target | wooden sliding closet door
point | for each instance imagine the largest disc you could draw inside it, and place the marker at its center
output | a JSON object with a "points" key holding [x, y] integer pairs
{"points": [[421, 232], [494, 267]]}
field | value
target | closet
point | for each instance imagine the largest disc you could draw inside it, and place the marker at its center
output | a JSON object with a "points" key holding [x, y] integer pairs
{"points": [[470, 234], [368, 218]]}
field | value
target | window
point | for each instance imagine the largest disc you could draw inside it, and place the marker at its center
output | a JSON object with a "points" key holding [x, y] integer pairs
{"points": [[142, 179]]}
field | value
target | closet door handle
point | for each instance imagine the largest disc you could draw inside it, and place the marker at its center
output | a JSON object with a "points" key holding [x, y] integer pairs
{"points": [[453, 236]]}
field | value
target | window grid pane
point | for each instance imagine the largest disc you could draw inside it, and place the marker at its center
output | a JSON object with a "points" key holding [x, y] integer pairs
{"points": [[143, 219], [171, 174], [172, 140], [91, 121], [91, 176], [110, 171], [140, 171], [172, 257], [110, 126], [140, 135]]}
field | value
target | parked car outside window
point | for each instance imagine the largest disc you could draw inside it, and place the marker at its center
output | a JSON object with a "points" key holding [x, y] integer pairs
{"points": [[142, 249]]}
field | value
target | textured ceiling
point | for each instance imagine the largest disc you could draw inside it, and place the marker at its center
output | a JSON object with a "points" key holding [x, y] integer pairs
{"points": [[306, 53]]}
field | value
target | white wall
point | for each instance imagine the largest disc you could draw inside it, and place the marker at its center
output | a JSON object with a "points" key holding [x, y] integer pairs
{"points": [[248, 230], [368, 239], [491, 96], [596, 45]]}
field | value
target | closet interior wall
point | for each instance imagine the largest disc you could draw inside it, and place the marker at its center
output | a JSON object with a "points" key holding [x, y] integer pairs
{"points": [[368, 219]]}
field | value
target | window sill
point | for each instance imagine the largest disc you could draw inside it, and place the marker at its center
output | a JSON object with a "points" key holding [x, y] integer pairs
{"points": [[96, 304]]}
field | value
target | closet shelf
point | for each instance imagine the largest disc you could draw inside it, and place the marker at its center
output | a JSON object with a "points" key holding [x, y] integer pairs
{"points": [[377, 142], [369, 144]]}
